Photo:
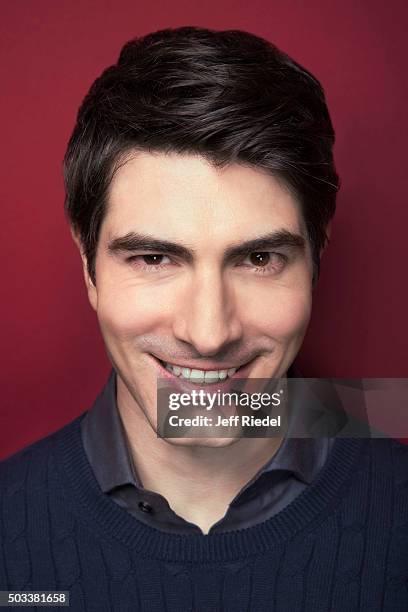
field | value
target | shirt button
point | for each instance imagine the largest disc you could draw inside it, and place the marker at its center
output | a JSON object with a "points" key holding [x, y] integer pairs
{"points": [[145, 507]]}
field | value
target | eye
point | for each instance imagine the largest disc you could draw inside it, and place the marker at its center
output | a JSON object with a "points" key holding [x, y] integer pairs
{"points": [[260, 259], [149, 261], [153, 260], [265, 261]]}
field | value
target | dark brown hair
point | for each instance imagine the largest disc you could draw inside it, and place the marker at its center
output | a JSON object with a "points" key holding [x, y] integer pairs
{"points": [[229, 96]]}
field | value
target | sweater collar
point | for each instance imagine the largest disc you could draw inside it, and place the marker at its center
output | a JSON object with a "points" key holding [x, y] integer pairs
{"points": [[98, 513]]}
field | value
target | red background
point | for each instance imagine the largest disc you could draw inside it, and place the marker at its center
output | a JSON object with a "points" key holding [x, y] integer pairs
{"points": [[53, 360]]}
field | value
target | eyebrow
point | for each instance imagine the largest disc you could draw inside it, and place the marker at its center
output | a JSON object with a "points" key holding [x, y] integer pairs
{"points": [[133, 241], [268, 242]]}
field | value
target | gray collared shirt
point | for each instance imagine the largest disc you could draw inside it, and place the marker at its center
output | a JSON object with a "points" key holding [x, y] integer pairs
{"points": [[290, 470]]}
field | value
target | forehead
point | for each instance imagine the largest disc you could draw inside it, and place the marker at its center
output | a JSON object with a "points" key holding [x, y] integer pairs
{"points": [[185, 196]]}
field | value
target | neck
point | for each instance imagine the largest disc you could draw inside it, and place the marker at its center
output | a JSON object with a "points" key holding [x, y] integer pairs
{"points": [[199, 478]]}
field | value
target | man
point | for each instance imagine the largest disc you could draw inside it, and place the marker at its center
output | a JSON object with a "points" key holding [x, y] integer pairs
{"points": [[200, 189]]}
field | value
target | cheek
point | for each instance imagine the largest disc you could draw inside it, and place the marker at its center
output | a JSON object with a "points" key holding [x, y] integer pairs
{"points": [[126, 312], [283, 313], [292, 316]]}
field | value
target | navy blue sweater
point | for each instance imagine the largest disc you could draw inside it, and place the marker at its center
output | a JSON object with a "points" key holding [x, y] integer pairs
{"points": [[342, 545]]}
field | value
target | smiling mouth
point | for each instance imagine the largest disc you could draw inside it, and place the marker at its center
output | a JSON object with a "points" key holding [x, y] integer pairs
{"points": [[195, 375]]}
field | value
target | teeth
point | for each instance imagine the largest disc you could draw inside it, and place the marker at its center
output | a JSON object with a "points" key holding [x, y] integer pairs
{"points": [[200, 376], [197, 375], [211, 376]]}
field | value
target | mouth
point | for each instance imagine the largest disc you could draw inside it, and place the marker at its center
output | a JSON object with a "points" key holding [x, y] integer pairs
{"points": [[196, 376], [184, 378]]}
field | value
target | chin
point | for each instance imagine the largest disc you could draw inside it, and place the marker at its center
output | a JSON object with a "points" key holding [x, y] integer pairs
{"points": [[202, 442]]}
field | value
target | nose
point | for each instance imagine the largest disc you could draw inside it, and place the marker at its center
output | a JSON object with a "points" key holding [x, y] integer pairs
{"points": [[208, 318]]}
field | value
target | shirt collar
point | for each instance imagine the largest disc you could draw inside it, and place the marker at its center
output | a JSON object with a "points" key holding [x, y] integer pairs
{"points": [[105, 441], [302, 456]]}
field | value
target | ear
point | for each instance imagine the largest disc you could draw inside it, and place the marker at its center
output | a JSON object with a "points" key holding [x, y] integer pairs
{"points": [[328, 233], [90, 287]]}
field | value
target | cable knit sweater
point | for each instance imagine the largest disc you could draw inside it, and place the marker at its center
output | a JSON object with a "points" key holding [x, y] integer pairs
{"points": [[342, 545]]}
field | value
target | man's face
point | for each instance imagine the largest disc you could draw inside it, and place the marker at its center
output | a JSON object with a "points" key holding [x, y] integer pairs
{"points": [[180, 279]]}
